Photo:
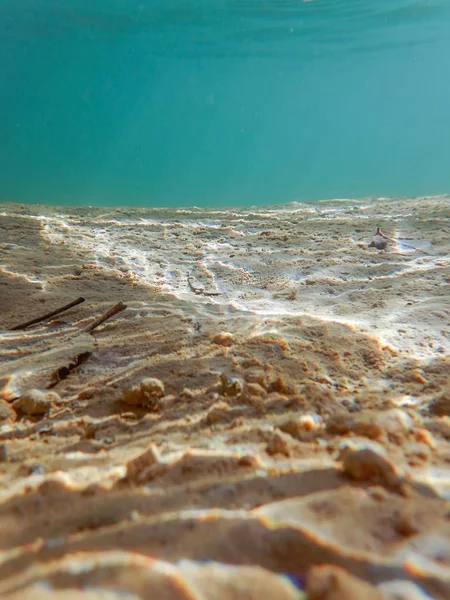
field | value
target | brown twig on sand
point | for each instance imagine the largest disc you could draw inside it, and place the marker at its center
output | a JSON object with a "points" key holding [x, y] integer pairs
{"points": [[200, 290], [117, 308], [381, 234], [49, 315]]}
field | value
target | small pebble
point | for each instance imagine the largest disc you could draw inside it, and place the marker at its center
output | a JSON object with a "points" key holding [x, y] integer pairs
{"points": [[249, 460], [36, 402], [309, 423], [279, 443], [368, 463], [223, 339], [231, 386], [145, 393]]}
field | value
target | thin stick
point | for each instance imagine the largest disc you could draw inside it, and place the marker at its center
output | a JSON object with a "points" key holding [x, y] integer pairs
{"points": [[117, 308], [197, 290], [48, 315], [379, 232]]}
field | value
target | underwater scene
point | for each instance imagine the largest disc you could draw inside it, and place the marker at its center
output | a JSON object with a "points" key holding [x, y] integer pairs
{"points": [[223, 102], [225, 299]]}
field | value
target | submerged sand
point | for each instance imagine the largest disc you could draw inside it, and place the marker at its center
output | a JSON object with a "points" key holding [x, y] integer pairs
{"points": [[297, 412]]}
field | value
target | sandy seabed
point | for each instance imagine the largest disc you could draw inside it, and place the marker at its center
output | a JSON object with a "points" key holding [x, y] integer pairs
{"points": [[269, 417]]}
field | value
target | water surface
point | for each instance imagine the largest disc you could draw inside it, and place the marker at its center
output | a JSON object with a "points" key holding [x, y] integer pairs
{"points": [[218, 103]]}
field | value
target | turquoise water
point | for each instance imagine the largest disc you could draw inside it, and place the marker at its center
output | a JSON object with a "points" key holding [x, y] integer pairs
{"points": [[217, 103]]}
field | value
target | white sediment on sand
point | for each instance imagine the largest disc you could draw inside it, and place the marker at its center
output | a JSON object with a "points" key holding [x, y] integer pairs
{"points": [[255, 343], [312, 259]]}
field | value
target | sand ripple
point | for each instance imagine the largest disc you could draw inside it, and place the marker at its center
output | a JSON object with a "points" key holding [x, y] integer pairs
{"points": [[298, 413]]}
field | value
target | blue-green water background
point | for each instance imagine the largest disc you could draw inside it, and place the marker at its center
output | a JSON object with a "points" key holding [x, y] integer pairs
{"points": [[216, 102]]}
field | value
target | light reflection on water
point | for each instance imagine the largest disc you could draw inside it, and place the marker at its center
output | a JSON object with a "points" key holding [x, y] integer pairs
{"points": [[214, 28]]}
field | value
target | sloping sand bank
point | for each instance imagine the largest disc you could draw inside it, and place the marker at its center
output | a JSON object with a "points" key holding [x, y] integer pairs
{"points": [[274, 397]]}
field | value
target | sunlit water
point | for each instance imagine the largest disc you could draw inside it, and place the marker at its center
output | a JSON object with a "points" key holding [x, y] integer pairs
{"points": [[218, 103]]}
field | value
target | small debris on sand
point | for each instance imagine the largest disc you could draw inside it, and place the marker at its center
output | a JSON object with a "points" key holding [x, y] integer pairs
{"points": [[36, 402], [146, 393]]}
